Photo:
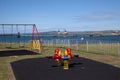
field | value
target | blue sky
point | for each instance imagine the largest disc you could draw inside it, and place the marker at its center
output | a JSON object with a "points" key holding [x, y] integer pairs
{"points": [[72, 15]]}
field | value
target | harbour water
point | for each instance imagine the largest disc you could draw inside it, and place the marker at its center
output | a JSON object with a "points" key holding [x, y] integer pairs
{"points": [[54, 37]]}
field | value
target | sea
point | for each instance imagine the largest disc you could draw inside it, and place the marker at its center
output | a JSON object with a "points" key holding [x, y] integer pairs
{"points": [[26, 38]]}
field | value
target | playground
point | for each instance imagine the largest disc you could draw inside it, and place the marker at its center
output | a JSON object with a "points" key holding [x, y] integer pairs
{"points": [[23, 60], [28, 65]]}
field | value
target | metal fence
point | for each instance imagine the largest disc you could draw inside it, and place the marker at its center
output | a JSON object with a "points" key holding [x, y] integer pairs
{"points": [[98, 47]]}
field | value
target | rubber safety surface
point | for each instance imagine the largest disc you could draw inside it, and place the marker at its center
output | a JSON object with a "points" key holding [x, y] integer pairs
{"points": [[47, 69]]}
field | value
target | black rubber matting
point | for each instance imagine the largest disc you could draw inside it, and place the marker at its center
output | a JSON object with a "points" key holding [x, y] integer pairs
{"points": [[47, 69], [16, 53]]}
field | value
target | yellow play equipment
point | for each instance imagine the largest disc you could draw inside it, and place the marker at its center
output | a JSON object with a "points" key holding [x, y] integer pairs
{"points": [[66, 64], [35, 46]]}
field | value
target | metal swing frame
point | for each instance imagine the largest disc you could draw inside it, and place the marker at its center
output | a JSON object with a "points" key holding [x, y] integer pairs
{"points": [[9, 44]]}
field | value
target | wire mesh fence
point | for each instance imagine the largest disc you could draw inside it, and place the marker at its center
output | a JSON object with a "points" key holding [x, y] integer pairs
{"points": [[93, 46]]}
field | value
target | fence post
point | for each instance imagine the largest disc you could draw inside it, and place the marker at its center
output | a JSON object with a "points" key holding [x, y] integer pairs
{"points": [[101, 49], [52, 43], [118, 49], [77, 44], [87, 45], [68, 43]]}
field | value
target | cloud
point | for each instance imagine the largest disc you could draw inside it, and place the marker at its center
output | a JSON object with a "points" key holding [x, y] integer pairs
{"points": [[99, 16]]}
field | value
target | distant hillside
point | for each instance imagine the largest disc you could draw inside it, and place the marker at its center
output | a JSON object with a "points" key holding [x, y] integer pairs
{"points": [[92, 33]]}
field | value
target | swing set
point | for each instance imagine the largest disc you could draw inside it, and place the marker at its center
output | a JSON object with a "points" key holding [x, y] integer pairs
{"points": [[35, 44], [14, 36]]}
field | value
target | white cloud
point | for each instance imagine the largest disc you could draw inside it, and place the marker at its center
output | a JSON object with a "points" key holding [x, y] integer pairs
{"points": [[99, 16]]}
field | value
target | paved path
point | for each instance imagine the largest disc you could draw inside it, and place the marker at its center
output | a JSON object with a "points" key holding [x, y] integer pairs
{"points": [[47, 69]]}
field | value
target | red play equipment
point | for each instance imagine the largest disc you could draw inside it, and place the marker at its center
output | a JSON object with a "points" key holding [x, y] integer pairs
{"points": [[68, 53], [57, 55], [63, 59]]}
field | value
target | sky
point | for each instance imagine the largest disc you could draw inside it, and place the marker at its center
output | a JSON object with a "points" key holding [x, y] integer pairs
{"points": [[70, 15]]}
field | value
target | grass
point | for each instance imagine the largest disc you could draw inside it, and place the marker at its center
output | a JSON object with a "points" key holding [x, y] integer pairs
{"points": [[5, 72]]}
